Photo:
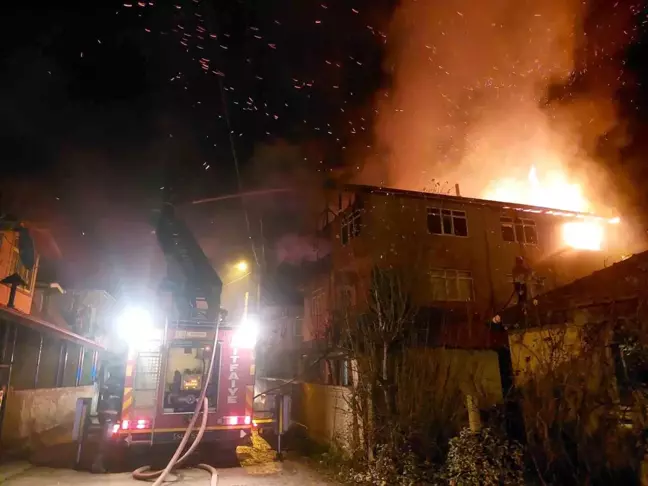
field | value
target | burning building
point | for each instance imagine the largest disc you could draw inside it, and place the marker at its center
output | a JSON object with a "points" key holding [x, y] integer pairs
{"points": [[457, 253]]}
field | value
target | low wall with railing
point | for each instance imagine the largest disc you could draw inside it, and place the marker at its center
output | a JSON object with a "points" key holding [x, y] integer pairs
{"points": [[40, 418]]}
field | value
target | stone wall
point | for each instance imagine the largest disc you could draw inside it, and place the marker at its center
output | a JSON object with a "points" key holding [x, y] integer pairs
{"points": [[41, 418]]}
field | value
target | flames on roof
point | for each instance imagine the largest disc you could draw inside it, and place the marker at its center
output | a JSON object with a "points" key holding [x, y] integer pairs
{"points": [[582, 231]]}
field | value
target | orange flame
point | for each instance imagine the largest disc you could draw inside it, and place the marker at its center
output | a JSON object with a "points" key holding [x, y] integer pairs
{"points": [[558, 193], [553, 192], [583, 235]]}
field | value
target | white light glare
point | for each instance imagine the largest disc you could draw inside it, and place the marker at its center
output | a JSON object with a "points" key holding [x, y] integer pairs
{"points": [[245, 336], [135, 327]]}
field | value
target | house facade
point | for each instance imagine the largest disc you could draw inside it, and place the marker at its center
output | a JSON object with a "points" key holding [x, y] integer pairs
{"points": [[47, 361], [457, 255]]}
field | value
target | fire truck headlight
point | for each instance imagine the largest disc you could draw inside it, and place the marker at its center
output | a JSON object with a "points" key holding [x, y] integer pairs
{"points": [[135, 326], [245, 336]]}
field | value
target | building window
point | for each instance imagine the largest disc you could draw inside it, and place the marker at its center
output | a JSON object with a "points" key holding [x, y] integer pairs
{"points": [[452, 285], [519, 230], [337, 372], [16, 266], [298, 333], [447, 222], [317, 309], [344, 378], [351, 225]]}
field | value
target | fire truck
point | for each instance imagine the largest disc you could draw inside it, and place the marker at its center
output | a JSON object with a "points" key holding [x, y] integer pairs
{"points": [[164, 379], [152, 389]]}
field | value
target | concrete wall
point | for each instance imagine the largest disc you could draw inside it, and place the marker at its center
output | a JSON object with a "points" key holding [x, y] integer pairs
{"points": [[564, 350], [535, 352], [438, 377], [324, 410], [472, 372], [41, 418]]}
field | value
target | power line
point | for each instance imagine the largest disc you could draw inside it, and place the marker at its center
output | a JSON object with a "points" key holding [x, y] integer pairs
{"points": [[236, 167]]}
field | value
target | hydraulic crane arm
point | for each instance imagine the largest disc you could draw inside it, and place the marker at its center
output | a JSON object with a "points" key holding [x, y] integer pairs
{"points": [[198, 279]]}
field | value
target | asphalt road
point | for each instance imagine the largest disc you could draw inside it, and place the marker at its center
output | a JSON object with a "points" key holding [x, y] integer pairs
{"points": [[270, 474], [256, 466]]}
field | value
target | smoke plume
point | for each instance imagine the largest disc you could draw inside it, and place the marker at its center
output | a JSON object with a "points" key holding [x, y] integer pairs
{"points": [[470, 100], [296, 249]]}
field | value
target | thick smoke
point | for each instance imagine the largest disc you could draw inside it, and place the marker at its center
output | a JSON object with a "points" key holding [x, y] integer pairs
{"points": [[470, 99], [296, 249]]}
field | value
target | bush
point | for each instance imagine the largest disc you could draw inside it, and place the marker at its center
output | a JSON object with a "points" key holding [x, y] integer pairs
{"points": [[484, 458], [388, 468]]}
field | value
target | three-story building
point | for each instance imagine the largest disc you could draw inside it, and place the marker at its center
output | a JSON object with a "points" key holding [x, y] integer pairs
{"points": [[457, 255]]}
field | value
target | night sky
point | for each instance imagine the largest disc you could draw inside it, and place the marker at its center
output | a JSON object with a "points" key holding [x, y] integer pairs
{"points": [[103, 106]]}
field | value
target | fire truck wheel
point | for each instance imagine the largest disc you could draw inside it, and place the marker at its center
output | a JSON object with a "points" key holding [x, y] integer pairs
{"points": [[136, 457], [228, 457]]}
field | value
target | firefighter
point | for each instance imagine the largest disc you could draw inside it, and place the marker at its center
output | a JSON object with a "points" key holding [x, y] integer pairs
{"points": [[521, 275], [108, 408]]}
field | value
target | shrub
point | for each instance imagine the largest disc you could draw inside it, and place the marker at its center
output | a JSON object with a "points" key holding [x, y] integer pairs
{"points": [[484, 458], [388, 468]]}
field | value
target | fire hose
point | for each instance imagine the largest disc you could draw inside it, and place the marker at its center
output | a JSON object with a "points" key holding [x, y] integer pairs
{"points": [[145, 474]]}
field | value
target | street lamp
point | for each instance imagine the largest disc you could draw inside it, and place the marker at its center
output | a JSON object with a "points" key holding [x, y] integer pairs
{"points": [[242, 266]]}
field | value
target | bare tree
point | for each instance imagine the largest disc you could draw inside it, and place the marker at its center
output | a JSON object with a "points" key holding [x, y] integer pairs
{"points": [[403, 395]]}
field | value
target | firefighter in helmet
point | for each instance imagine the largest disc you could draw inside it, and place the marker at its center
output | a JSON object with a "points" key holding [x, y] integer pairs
{"points": [[522, 274]]}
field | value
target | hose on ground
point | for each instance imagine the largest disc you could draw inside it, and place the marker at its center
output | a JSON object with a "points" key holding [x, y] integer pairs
{"points": [[145, 474]]}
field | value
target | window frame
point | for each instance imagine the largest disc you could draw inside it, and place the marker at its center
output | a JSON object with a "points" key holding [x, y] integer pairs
{"points": [[352, 223], [515, 223], [317, 306], [455, 276], [454, 214], [298, 331]]}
